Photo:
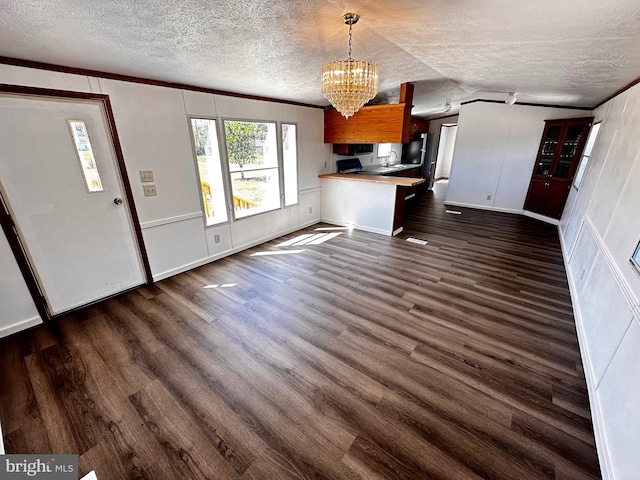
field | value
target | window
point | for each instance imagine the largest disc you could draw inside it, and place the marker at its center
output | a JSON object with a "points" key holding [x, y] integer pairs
{"points": [[263, 169], [205, 139], [252, 153], [582, 166], [85, 156], [384, 149], [290, 163]]}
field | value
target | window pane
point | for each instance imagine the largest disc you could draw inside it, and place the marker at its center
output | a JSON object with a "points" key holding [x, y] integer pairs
{"points": [[591, 139], [250, 145], [252, 152], [85, 156], [205, 139], [290, 163], [255, 191], [584, 161], [384, 149]]}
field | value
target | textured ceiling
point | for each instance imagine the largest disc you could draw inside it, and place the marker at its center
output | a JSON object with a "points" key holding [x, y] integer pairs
{"points": [[567, 52]]}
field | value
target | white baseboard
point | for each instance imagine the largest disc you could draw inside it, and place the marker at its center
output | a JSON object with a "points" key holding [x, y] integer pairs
{"points": [[542, 218], [379, 231], [19, 326], [594, 402], [491, 208], [483, 207]]}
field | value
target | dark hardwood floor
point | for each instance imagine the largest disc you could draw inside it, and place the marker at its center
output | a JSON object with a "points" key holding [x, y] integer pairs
{"points": [[363, 357]]}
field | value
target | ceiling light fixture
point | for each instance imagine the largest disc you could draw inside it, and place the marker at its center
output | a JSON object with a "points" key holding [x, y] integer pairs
{"points": [[349, 84], [447, 106], [511, 98]]}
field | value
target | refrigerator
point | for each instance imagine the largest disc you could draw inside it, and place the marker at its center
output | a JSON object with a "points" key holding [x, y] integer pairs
{"points": [[421, 151]]}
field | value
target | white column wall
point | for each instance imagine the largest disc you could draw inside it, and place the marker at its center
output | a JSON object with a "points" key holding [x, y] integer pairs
{"points": [[154, 135]]}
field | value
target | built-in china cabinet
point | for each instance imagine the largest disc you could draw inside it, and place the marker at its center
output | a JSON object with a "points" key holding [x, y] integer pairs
{"points": [[558, 156]]}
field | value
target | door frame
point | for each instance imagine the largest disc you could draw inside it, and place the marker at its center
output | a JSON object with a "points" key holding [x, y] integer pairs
{"points": [[7, 222]]}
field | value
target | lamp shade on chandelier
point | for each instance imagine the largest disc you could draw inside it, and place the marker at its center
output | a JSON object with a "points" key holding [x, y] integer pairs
{"points": [[349, 84]]}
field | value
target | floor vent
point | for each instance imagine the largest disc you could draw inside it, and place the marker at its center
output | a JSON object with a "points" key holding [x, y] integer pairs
{"points": [[416, 240]]}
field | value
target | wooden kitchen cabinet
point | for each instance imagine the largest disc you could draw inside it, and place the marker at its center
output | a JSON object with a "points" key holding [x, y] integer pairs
{"points": [[558, 156], [408, 172], [418, 127], [407, 192]]}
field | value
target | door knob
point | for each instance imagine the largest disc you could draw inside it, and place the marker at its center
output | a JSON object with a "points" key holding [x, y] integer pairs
{"points": [[117, 201]]}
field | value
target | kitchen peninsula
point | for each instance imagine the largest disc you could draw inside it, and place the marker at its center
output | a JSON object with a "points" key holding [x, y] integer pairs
{"points": [[374, 203]]}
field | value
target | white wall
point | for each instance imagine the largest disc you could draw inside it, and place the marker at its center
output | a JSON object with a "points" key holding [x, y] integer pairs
{"points": [[599, 230], [495, 151], [153, 128]]}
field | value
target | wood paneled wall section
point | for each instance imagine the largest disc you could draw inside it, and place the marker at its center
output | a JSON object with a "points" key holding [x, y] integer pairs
{"points": [[374, 124]]}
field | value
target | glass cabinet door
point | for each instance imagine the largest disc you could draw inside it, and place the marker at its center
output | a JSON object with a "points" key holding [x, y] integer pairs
{"points": [[549, 146], [560, 149], [568, 150]]}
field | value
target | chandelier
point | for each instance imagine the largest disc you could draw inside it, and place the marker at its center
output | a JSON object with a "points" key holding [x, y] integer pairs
{"points": [[349, 84]]}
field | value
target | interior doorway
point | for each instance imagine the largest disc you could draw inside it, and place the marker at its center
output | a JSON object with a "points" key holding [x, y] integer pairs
{"points": [[66, 198], [444, 158]]}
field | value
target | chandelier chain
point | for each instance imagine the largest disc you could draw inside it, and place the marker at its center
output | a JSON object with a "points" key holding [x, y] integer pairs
{"points": [[350, 29]]}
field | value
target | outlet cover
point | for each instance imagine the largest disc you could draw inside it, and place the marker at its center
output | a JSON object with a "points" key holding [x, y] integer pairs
{"points": [[310, 210], [146, 176], [150, 190], [216, 238]]}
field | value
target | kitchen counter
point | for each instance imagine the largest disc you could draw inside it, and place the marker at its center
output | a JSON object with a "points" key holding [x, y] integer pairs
{"points": [[375, 178], [398, 169], [374, 203]]}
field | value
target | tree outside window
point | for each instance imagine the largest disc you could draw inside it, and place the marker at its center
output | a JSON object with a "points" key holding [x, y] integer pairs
{"points": [[252, 154]]}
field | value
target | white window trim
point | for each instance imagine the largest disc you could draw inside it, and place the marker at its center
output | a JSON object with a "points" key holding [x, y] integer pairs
{"points": [[297, 165]]}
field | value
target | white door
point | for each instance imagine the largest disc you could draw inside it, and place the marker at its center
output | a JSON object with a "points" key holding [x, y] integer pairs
{"points": [[79, 241]]}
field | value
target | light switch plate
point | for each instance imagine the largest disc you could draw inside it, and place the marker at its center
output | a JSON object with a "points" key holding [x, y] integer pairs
{"points": [[146, 175], [150, 190]]}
